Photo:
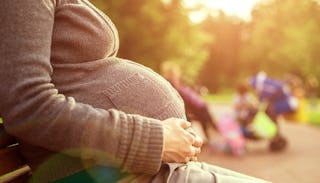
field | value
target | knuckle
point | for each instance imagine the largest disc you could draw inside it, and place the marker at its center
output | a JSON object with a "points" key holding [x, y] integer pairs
{"points": [[201, 142], [198, 150], [190, 138], [191, 151], [184, 159], [188, 151]]}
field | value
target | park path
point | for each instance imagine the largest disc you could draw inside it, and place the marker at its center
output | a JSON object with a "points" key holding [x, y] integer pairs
{"points": [[299, 163]]}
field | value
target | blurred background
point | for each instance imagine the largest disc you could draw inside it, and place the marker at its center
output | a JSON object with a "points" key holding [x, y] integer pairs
{"points": [[217, 44]]}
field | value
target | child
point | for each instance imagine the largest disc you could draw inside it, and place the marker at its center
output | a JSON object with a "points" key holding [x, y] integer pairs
{"points": [[196, 108], [245, 106]]}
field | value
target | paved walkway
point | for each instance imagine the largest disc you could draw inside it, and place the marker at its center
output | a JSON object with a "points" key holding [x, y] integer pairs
{"points": [[299, 163]]}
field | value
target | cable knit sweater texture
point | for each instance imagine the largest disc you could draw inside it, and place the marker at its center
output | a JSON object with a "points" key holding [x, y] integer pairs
{"points": [[63, 89]]}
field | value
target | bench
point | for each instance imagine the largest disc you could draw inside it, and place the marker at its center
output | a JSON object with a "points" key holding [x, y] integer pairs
{"points": [[13, 167]]}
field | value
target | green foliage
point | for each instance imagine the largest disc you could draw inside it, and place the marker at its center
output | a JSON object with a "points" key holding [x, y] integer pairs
{"points": [[284, 37], [152, 32], [281, 38], [313, 112], [314, 117], [222, 65]]}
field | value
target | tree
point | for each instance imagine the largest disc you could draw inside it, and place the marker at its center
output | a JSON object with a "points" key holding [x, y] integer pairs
{"points": [[221, 67], [283, 38], [152, 32]]}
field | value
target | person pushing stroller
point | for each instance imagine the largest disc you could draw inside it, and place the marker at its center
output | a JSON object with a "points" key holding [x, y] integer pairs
{"points": [[277, 98]]}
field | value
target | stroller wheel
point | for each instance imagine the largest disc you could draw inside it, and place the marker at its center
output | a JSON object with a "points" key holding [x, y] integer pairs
{"points": [[278, 143]]}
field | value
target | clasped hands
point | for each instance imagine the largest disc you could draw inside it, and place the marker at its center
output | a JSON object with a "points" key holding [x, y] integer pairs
{"points": [[181, 143]]}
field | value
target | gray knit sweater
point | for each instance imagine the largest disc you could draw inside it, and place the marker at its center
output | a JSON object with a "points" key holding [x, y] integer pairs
{"points": [[63, 89]]}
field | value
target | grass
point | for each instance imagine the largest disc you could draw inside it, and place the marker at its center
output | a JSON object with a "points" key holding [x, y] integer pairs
{"points": [[313, 113], [314, 118], [219, 98]]}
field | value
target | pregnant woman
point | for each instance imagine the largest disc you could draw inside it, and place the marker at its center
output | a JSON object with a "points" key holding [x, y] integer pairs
{"points": [[74, 106]]}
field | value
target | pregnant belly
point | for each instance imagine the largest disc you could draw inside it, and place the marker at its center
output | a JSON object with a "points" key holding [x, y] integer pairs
{"points": [[120, 84]]}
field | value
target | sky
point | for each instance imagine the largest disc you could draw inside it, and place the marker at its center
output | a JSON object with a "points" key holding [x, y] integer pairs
{"points": [[239, 8]]}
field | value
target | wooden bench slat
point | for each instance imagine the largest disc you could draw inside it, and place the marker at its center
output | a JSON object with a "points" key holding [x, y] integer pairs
{"points": [[10, 159], [20, 175], [13, 168], [5, 138]]}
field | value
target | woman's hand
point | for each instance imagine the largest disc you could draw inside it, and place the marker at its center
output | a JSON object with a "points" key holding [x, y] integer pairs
{"points": [[198, 142], [181, 144]]}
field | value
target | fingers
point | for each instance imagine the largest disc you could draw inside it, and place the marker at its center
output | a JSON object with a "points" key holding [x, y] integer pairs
{"points": [[195, 152], [185, 124], [194, 159], [181, 144], [188, 154], [187, 159], [198, 142], [190, 139], [191, 131], [192, 154]]}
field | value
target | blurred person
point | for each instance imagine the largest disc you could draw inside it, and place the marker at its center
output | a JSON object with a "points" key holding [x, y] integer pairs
{"points": [[296, 87], [245, 106], [275, 93], [196, 108], [79, 111], [312, 86], [279, 100]]}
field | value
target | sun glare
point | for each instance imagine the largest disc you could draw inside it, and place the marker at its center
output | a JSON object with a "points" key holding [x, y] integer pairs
{"points": [[239, 8]]}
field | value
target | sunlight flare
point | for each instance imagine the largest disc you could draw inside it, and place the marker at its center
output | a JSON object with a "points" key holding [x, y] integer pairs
{"points": [[241, 9]]}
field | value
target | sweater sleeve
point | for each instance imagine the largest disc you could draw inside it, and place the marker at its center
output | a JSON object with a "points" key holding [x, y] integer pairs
{"points": [[35, 112]]}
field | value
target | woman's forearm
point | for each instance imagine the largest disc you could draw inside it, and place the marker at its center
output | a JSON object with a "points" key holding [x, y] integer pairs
{"points": [[34, 110]]}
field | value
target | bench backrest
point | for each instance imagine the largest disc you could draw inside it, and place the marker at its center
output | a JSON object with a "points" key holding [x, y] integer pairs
{"points": [[13, 167]]}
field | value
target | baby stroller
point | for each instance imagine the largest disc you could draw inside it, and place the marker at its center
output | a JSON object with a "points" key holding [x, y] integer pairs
{"points": [[259, 125], [197, 109], [278, 100]]}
